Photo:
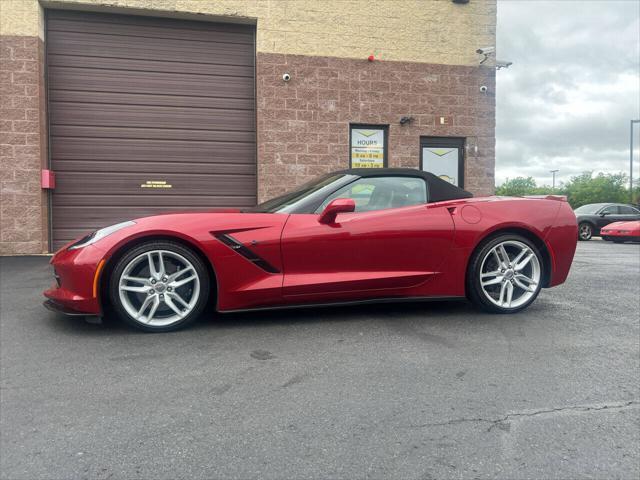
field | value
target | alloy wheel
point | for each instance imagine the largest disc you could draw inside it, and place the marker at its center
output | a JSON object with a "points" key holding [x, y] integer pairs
{"points": [[159, 288], [585, 231], [510, 274]]}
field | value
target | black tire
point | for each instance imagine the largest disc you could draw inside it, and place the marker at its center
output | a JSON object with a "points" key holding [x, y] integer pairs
{"points": [[618, 240], [585, 231], [157, 245], [606, 239], [475, 292]]}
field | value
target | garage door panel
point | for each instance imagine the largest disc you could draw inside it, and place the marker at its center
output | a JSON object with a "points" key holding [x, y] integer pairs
{"points": [[210, 30], [138, 116], [88, 183], [177, 153], [93, 132], [152, 100], [162, 167], [143, 65], [106, 46], [95, 80], [179, 202], [150, 28], [138, 101]]}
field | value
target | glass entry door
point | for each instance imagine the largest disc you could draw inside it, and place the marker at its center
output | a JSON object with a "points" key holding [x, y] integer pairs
{"points": [[444, 157]]}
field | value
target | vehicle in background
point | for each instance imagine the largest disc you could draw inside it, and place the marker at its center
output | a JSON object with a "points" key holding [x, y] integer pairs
{"points": [[593, 217], [620, 232]]}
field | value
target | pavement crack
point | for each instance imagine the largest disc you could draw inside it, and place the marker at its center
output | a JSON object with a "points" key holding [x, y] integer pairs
{"points": [[497, 422]]}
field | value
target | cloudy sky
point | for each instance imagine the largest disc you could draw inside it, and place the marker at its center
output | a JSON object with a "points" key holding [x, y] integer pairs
{"points": [[566, 101]]}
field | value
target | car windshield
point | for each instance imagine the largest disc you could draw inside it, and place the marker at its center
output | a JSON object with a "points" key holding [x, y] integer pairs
{"points": [[590, 209], [287, 202]]}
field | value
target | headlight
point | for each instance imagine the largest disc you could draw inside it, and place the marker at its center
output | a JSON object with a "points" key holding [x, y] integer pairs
{"points": [[100, 234]]}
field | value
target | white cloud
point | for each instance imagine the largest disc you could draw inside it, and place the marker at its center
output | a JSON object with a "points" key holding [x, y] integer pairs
{"points": [[567, 100]]}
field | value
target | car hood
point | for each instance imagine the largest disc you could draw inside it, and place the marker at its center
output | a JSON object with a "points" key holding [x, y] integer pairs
{"points": [[208, 210], [631, 225]]}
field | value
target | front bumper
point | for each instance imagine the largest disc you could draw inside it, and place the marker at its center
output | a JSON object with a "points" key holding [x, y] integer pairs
{"points": [[56, 307], [77, 278], [619, 233]]}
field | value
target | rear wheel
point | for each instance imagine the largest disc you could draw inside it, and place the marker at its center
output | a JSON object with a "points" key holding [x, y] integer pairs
{"points": [[159, 286], [505, 274], [619, 240], [585, 231]]}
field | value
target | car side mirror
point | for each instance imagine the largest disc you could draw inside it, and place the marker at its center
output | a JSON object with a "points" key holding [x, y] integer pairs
{"points": [[339, 205], [603, 214]]}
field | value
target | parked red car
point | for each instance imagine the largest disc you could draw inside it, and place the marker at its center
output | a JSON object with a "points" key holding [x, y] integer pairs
{"points": [[620, 232], [365, 235]]}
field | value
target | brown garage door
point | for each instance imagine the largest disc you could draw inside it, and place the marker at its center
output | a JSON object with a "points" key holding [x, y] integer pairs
{"points": [[135, 102]]}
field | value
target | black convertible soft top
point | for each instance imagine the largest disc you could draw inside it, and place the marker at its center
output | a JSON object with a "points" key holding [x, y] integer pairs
{"points": [[439, 190]]}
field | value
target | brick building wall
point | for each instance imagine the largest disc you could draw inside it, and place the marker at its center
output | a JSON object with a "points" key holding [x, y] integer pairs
{"points": [[303, 124], [427, 69], [23, 204]]}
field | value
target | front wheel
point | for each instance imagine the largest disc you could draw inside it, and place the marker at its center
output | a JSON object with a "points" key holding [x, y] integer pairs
{"points": [[505, 274], [585, 231], [159, 286]]}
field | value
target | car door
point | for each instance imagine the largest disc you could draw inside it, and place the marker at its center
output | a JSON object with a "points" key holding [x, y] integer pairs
{"points": [[389, 244], [608, 215], [628, 214]]}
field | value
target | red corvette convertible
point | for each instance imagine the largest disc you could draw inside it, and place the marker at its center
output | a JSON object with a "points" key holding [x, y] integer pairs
{"points": [[351, 236]]}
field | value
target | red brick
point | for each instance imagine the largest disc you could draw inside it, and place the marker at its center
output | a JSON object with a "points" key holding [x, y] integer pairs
{"points": [[320, 148], [13, 114], [296, 148], [26, 126], [32, 114], [20, 101], [24, 53], [33, 138], [26, 78], [12, 186], [8, 89], [31, 90], [13, 138], [6, 52], [15, 234], [26, 175], [307, 115]]}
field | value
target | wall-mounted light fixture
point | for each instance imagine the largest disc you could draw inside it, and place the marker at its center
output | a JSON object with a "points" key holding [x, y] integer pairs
{"points": [[471, 146], [405, 120]]}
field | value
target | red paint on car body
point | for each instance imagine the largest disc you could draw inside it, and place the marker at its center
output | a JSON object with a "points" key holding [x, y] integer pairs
{"points": [[622, 230], [414, 251]]}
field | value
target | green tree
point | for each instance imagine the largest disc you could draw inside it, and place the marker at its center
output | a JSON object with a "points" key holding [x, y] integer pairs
{"points": [[584, 189], [518, 187], [580, 190]]}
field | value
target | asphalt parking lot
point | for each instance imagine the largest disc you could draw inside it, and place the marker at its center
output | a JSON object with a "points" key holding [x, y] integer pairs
{"points": [[420, 391]]}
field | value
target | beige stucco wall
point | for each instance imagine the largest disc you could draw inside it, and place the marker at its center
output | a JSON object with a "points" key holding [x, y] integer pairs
{"points": [[432, 31]]}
